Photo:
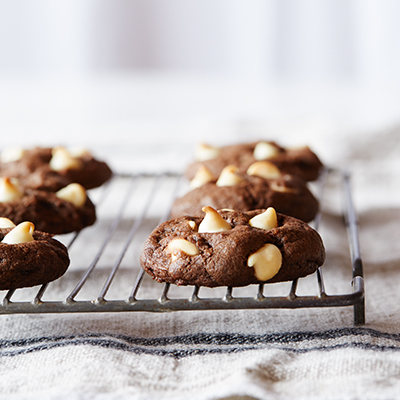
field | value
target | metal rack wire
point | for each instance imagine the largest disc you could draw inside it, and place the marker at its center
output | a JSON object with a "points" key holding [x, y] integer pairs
{"points": [[151, 189]]}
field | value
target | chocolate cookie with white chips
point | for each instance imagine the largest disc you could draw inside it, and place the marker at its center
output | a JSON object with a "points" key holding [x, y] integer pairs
{"points": [[51, 169], [300, 161], [262, 186], [67, 210], [231, 248], [29, 257]]}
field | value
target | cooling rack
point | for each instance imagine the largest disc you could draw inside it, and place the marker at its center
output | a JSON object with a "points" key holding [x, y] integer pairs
{"points": [[129, 207]]}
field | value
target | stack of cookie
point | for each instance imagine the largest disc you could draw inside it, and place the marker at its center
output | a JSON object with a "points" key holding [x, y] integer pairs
{"points": [[243, 222], [43, 189]]}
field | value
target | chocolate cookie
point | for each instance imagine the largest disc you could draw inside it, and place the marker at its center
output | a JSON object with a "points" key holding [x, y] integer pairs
{"points": [[53, 168], [288, 194], [29, 258], [68, 210], [296, 161], [231, 248]]}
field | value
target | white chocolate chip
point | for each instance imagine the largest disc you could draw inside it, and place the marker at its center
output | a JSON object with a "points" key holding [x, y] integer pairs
{"points": [[206, 152], [182, 245], [229, 177], [74, 193], [9, 191], [6, 223], [22, 233], [266, 262], [297, 147], [265, 150], [282, 188], [266, 220], [264, 169], [62, 159], [192, 225], [203, 175], [11, 154], [213, 222], [78, 152]]}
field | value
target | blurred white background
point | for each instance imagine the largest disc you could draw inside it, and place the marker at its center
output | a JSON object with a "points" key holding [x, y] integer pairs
{"points": [[132, 72]]}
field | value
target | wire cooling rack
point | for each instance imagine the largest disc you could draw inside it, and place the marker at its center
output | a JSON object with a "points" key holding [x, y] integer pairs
{"points": [[104, 260]]}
